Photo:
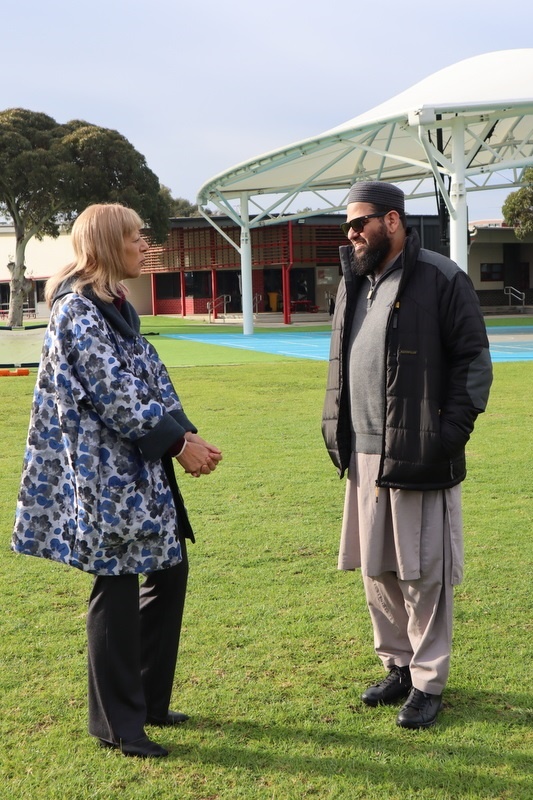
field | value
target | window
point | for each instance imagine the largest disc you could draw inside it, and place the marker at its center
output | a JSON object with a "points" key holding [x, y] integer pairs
{"points": [[167, 285], [198, 284], [491, 272], [40, 286]]}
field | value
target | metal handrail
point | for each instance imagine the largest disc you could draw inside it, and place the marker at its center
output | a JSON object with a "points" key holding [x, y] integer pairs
{"points": [[257, 299], [213, 305], [515, 294]]}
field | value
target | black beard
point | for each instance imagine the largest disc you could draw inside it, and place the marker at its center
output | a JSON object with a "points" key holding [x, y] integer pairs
{"points": [[367, 263], [375, 255]]}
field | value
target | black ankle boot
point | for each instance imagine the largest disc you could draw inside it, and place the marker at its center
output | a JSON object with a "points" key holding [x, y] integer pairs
{"points": [[394, 687], [420, 710]]}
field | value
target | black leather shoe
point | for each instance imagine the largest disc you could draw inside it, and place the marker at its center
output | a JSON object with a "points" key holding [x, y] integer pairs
{"points": [[142, 748], [394, 687], [172, 718], [420, 710]]}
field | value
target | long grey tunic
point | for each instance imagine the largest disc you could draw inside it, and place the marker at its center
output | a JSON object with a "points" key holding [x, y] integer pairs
{"points": [[382, 529], [382, 532]]}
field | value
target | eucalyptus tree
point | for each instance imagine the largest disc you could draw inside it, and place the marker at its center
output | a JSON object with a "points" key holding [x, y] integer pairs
{"points": [[50, 172], [517, 209]]}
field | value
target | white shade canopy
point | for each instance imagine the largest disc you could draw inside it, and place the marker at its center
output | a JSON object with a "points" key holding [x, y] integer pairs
{"points": [[398, 141], [466, 128]]}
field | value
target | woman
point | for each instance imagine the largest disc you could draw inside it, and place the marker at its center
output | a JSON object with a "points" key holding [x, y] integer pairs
{"points": [[98, 489]]}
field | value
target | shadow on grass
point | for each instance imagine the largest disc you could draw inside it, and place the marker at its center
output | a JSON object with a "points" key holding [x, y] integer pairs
{"points": [[434, 759], [486, 707]]}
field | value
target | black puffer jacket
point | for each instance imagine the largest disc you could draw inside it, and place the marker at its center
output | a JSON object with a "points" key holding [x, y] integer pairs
{"points": [[437, 372]]}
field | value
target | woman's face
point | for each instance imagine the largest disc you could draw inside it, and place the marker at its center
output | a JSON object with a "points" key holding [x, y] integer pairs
{"points": [[135, 248]]}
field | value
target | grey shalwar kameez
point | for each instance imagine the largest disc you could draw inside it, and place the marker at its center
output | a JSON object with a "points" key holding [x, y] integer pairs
{"points": [[409, 547], [407, 543]]}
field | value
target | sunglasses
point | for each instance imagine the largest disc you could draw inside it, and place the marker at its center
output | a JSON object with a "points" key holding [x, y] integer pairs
{"points": [[357, 225]]}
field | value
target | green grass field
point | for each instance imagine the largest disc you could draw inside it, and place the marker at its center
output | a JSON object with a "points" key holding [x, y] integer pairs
{"points": [[277, 643], [25, 347]]}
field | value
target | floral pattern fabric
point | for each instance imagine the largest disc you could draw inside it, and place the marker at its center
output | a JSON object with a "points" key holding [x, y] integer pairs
{"points": [[94, 493]]}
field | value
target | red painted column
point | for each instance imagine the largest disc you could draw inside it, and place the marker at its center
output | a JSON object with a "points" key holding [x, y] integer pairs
{"points": [[214, 291], [182, 291], [286, 283], [154, 298]]}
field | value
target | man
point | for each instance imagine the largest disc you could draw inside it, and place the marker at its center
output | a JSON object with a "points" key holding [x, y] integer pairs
{"points": [[409, 372]]}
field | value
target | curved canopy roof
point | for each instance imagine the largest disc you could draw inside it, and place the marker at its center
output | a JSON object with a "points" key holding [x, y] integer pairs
{"points": [[409, 139]]}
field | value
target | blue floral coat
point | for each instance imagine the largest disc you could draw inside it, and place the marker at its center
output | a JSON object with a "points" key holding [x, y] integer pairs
{"points": [[95, 493]]}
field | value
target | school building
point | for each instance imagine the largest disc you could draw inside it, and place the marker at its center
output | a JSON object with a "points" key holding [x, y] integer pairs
{"points": [[295, 267]]}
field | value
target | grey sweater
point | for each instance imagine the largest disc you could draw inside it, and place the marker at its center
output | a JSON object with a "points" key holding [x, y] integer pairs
{"points": [[366, 359]]}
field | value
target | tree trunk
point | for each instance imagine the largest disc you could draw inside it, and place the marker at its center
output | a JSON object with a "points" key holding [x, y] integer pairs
{"points": [[18, 281]]}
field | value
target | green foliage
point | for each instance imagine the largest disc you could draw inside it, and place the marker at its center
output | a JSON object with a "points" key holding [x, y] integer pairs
{"points": [[179, 207], [50, 172], [31, 170], [518, 207], [277, 645]]}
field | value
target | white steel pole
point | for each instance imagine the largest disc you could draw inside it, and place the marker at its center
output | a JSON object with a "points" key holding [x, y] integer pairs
{"points": [[246, 270], [459, 219]]}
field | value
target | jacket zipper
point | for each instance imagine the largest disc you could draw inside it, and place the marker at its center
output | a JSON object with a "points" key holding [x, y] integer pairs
{"points": [[392, 322]]}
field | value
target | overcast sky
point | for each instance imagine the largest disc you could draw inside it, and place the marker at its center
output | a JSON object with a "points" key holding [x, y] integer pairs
{"points": [[200, 85]]}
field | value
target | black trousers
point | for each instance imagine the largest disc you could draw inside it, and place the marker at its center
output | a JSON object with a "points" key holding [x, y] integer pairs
{"points": [[133, 638]]}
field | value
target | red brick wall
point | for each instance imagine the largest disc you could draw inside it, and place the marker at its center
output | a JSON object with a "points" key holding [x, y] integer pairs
{"points": [[196, 305], [193, 305], [171, 305]]}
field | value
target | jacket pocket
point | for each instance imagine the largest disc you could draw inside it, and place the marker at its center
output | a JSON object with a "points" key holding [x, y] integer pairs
{"points": [[453, 439], [141, 511]]}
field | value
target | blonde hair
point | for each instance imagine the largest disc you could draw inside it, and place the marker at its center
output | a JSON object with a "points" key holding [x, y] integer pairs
{"points": [[98, 241]]}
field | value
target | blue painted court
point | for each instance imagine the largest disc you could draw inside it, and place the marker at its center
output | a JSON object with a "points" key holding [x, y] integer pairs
{"points": [[298, 345], [506, 343], [511, 343]]}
